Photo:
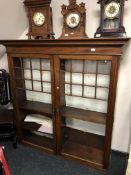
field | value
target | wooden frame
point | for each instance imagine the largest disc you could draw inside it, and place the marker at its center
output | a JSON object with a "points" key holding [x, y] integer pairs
{"points": [[95, 50]]}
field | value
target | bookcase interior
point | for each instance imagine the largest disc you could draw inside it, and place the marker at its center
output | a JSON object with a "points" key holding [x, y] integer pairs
{"points": [[34, 93], [84, 83]]}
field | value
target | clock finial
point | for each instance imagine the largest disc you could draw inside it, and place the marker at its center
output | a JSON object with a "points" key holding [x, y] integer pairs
{"points": [[72, 2]]}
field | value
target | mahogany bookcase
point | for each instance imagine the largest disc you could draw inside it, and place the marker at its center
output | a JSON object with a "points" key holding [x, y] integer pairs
{"points": [[72, 82]]}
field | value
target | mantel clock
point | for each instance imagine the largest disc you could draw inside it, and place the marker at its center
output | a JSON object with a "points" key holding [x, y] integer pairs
{"points": [[40, 19], [111, 22], [74, 17]]}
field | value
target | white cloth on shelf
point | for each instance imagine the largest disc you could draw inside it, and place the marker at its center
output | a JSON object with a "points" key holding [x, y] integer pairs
{"points": [[44, 121]]}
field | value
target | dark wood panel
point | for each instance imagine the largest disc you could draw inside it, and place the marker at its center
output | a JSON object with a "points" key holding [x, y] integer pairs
{"points": [[103, 46], [83, 152], [66, 42], [31, 126], [6, 115], [111, 106], [35, 139], [83, 138], [37, 107], [86, 115], [64, 50]]}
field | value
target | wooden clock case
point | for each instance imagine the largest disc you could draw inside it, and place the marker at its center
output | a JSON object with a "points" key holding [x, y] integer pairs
{"points": [[104, 30], [46, 30], [79, 31]]}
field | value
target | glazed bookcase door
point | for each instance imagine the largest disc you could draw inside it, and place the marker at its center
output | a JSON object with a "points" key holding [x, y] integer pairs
{"points": [[33, 79], [83, 88]]}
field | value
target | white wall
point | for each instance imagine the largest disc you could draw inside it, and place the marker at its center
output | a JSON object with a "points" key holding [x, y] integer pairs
{"points": [[121, 130], [13, 19]]}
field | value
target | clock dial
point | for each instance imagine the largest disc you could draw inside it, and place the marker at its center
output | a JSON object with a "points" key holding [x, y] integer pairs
{"points": [[39, 18], [72, 20], [112, 10]]}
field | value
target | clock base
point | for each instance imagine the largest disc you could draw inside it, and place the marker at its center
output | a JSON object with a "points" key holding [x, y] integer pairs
{"points": [[102, 33], [37, 36], [110, 35], [73, 36]]}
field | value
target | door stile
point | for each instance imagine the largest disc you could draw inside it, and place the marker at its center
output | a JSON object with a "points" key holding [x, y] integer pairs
{"points": [[57, 103], [111, 107]]}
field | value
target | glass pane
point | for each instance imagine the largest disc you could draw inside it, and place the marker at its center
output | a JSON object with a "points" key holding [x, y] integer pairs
{"points": [[103, 80], [89, 91], [26, 63], [36, 75], [66, 65], [89, 66], [77, 90], [38, 96], [45, 64], [85, 126], [35, 63], [104, 67], [28, 84], [46, 76], [67, 89], [47, 87], [77, 78], [67, 77], [31, 78], [89, 79], [87, 104], [102, 93], [27, 74], [81, 89], [77, 65], [37, 85]]}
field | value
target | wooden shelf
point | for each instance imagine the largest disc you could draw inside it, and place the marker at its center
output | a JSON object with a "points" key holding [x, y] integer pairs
{"points": [[92, 73], [22, 68], [83, 153], [86, 115], [83, 146], [32, 126], [80, 84], [83, 138], [37, 107], [35, 140]]}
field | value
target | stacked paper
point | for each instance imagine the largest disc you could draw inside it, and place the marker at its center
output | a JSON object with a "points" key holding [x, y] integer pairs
{"points": [[44, 121]]}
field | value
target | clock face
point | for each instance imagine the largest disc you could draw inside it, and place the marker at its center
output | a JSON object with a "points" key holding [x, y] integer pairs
{"points": [[38, 18], [112, 10], [72, 20]]}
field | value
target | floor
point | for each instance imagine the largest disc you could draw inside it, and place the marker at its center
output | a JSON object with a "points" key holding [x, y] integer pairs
{"points": [[28, 161]]}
